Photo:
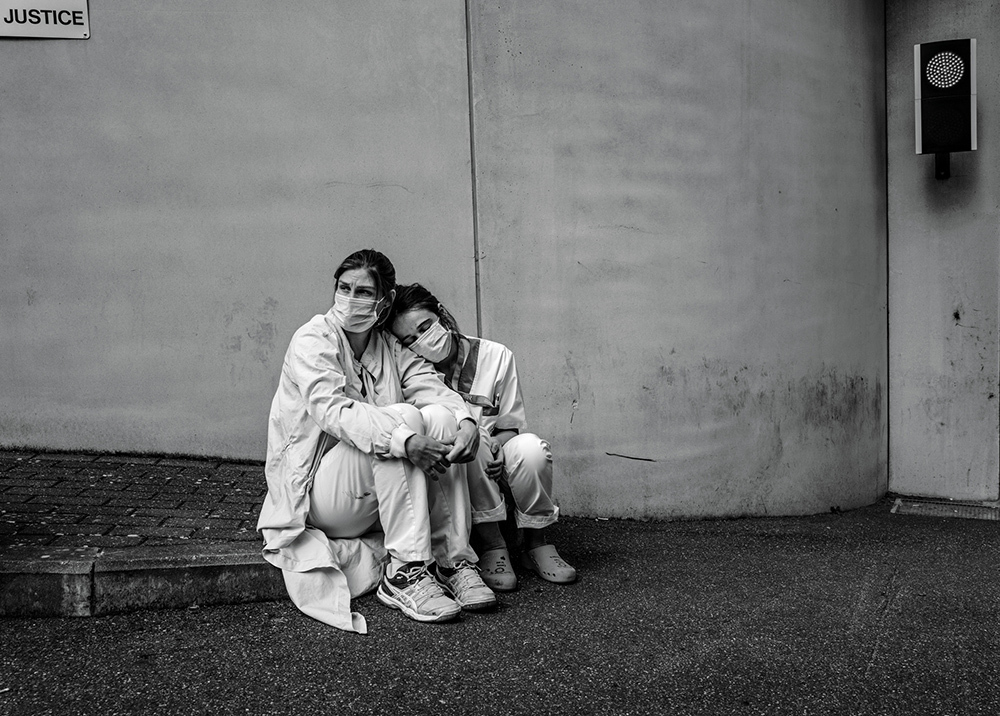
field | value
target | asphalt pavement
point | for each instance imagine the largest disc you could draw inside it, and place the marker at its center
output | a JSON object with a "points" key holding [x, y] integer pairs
{"points": [[862, 612]]}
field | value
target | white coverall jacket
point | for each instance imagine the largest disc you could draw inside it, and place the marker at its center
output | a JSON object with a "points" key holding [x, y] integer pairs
{"points": [[318, 403]]}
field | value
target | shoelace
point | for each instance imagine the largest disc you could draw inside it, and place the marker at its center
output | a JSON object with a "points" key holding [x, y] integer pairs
{"points": [[465, 575], [412, 572], [466, 564], [421, 585]]}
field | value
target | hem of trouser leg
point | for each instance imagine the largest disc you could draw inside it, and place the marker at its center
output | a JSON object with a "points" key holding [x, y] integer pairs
{"points": [[404, 560], [497, 514], [535, 522]]}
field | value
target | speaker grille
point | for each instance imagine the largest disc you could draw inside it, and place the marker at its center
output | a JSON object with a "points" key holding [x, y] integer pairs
{"points": [[947, 125], [945, 70]]}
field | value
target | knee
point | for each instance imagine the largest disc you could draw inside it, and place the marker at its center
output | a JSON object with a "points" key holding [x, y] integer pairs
{"points": [[528, 450], [483, 456], [439, 422], [475, 470], [411, 416]]}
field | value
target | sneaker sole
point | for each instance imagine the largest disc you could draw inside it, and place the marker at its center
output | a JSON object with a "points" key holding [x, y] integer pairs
{"points": [[417, 616], [485, 605]]}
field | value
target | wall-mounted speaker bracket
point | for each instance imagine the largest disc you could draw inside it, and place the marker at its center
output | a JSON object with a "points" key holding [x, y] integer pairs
{"points": [[942, 165]]}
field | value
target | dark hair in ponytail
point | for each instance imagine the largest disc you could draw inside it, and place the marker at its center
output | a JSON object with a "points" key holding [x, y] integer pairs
{"points": [[416, 296]]}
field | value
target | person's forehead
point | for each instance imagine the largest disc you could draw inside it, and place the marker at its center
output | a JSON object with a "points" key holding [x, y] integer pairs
{"points": [[408, 322], [419, 315], [357, 277]]}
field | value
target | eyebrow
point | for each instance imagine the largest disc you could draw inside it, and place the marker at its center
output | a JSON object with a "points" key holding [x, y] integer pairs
{"points": [[408, 338], [359, 287]]}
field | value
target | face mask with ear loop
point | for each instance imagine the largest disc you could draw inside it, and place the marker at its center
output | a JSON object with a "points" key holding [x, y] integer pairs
{"points": [[434, 344], [356, 315]]}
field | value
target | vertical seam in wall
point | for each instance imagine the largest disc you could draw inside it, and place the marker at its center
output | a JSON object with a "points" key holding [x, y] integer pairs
{"points": [[92, 598], [472, 165], [888, 349]]}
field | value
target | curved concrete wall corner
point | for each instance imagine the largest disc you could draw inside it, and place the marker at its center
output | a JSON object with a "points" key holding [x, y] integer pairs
{"points": [[682, 231], [178, 190]]}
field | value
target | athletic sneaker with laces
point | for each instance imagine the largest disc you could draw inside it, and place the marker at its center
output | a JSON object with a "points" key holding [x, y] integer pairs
{"points": [[466, 587], [414, 591]]}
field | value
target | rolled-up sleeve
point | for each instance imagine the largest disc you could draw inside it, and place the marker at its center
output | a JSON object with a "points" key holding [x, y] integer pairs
{"points": [[423, 386]]}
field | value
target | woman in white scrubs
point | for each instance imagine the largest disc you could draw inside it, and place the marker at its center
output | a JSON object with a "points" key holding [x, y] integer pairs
{"points": [[364, 446], [484, 374]]}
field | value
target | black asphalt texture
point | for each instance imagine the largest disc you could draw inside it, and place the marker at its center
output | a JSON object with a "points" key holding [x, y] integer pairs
{"points": [[864, 612]]}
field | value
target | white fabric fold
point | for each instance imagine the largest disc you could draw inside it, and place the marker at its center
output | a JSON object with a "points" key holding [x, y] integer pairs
{"points": [[326, 574]]}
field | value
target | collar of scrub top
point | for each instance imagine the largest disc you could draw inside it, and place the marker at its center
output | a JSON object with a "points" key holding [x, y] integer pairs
{"points": [[456, 369], [369, 367]]}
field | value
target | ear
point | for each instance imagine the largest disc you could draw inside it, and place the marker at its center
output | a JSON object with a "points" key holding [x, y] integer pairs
{"points": [[388, 307]]}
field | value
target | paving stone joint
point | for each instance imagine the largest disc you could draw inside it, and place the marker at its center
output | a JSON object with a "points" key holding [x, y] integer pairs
{"points": [[64, 517]]}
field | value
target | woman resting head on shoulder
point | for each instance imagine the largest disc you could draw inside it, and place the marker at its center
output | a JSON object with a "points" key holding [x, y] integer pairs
{"points": [[363, 441], [483, 372]]}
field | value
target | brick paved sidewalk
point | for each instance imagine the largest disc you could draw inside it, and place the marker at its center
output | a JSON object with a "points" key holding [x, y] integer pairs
{"points": [[152, 519], [74, 500]]}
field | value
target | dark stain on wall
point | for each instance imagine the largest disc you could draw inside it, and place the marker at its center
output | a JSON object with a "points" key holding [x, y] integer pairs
{"points": [[248, 338], [839, 400]]}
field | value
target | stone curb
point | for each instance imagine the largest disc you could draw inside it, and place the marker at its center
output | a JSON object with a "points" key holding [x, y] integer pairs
{"points": [[84, 582]]}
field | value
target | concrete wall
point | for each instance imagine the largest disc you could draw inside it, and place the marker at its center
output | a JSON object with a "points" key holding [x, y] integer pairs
{"points": [[178, 190], [681, 212], [943, 280], [683, 238]]}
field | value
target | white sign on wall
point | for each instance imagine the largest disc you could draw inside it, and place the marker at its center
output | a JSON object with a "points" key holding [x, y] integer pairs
{"points": [[66, 19]]}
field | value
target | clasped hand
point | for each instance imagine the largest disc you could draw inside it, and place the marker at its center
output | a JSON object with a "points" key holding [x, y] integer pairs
{"points": [[428, 454], [435, 456], [466, 443], [494, 466]]}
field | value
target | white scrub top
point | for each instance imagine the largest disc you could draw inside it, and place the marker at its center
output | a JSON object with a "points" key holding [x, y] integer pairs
{"points": [[485, 375]]}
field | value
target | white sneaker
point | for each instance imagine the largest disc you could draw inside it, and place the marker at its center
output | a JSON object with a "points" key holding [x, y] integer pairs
{"points": [[414, 591], [465, 586]]}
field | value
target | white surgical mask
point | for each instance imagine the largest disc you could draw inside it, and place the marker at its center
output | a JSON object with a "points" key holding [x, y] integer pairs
{"points": [[434, 344], [356, 315]]}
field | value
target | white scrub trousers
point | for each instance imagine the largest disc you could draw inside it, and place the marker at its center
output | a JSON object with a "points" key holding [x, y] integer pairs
{"points": [[527, 461], [354, 493]]}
